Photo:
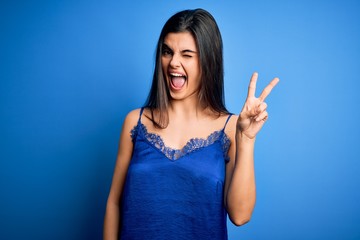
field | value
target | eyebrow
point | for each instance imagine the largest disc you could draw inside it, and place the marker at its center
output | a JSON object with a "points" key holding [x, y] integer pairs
{"points": [[188, 50], [183, 51]]}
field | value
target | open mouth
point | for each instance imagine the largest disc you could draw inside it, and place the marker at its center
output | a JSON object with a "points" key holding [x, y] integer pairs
{"points": [[177, 80]]}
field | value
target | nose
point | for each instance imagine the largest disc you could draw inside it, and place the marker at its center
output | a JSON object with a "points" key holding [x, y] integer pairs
{"points": [[175, 61]]}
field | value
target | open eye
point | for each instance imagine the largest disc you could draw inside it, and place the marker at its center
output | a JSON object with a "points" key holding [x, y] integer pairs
{"points": [[166, 52]]}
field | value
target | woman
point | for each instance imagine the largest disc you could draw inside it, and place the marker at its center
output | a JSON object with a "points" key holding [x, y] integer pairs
{"points": [[166, 186]]}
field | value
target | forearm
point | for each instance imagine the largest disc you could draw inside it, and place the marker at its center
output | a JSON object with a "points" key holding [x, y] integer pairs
{"points": [[111, 222], [240, 200]]}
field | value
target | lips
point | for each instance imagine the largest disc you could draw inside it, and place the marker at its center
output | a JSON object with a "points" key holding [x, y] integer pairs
{"points": [[177, 80]]}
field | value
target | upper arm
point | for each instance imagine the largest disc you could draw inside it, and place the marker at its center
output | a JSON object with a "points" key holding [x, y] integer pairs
{"points": [[123, 156], [230, 131]]}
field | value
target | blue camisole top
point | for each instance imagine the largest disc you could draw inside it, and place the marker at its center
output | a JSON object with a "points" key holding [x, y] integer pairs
{"points": [[175, 194]]}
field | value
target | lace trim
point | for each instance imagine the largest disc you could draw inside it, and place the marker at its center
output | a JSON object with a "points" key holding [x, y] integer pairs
{"points": [[191, 146]]}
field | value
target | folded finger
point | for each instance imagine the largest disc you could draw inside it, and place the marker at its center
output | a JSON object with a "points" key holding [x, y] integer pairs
{"points": [[262, 107], [262, 116]]}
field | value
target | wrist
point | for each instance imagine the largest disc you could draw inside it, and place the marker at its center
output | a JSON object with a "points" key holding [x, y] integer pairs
{"points": [[243, 138]]}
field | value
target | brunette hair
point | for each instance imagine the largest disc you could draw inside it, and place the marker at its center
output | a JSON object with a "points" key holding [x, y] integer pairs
{"points": [[205, 31]]}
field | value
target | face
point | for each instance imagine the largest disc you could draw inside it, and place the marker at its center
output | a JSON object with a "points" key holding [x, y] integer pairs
{"points": [[180, 64]]}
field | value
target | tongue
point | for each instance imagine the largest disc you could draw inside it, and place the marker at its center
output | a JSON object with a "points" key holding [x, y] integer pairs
{"points": [[178, 82]]}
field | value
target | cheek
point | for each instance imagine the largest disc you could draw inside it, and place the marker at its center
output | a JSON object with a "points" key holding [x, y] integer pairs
{"points": [[164, 63], [196, 67], [195, 71]]}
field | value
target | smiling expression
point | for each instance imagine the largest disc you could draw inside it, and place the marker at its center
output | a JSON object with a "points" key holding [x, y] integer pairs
{"points": [[180, 65]]}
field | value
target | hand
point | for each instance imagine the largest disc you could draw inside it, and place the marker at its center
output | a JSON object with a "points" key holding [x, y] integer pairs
{"points": [[254, 114]]}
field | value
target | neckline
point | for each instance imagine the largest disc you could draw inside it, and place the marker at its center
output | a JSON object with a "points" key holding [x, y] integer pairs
{"points": [[192, 145]]}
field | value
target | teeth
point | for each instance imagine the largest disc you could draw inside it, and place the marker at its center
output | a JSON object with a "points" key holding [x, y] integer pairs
{"points": [[176, 75]]}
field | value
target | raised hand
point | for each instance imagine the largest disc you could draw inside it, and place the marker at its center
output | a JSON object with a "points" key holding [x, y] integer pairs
{"points": [[254, 114]]}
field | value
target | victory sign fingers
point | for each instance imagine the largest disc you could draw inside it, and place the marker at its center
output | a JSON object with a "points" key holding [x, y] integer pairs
{"points": [[265, 92], [254, 113]]}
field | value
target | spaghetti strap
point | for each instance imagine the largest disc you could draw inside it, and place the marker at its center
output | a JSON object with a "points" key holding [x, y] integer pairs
{"points": [[141, 112], [227, 120]]}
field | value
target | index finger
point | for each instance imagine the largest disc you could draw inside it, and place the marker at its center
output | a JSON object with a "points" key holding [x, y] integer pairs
{"points": [[268, 89], [252, 85]]}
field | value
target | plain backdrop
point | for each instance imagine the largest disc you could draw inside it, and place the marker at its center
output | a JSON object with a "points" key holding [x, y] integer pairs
{"points": [[71, 70]]}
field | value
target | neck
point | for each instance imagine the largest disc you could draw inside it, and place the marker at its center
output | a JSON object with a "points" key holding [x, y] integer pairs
{"points": [[185, 109]]}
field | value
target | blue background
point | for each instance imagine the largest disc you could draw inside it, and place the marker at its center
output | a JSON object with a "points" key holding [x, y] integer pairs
{"points": [[71, 70]]}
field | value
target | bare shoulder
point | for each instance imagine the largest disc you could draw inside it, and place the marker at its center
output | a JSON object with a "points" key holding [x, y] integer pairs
{"points": [[133, 116], [131, 120], [230, 129]]}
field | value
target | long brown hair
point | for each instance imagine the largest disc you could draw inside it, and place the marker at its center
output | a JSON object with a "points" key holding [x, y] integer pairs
{"points": [[204, 29]]}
